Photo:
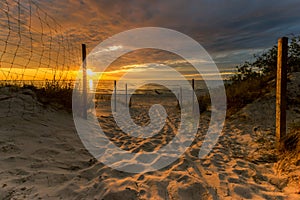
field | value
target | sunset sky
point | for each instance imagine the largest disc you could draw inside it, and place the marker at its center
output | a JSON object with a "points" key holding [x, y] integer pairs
{"points": [[231, 31]]}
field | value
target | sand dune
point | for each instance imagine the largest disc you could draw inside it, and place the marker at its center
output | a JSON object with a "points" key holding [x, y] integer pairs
{"points": [[42, 157]]}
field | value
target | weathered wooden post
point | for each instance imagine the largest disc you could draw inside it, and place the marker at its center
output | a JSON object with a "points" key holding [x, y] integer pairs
{"points": [[193, 99], [84, 83], [181, 96], [281, 87], [177, 101], [115, 100], [126, 94]]}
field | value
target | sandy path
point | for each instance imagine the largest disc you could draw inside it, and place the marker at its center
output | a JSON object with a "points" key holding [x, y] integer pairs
{"points": [[41, 157]]}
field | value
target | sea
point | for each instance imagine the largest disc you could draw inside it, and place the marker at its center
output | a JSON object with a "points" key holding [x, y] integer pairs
{"points": [[131, 86]]}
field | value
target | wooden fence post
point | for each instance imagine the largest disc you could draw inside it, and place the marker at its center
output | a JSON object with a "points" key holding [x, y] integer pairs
{"points": [[193, 99], [126, 94], [181, 96], [115, 101], [281, 87], [84, 83]]}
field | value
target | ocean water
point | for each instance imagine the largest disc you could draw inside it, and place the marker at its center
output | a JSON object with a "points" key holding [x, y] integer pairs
{"points": [[149, 87], [133, 86]]}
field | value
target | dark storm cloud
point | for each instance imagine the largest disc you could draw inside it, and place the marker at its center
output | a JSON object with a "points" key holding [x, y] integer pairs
{"points": [[223, 27]]}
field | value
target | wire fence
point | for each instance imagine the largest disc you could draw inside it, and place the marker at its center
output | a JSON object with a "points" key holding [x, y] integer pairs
{"points": [[34, 50], [33, 46]]}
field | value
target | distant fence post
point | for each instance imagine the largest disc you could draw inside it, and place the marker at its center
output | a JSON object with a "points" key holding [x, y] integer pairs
{"points": [[281, 87], [180, 96], [178, 101], [115, 100], [193, 99], [126, 94], [84, 83]]}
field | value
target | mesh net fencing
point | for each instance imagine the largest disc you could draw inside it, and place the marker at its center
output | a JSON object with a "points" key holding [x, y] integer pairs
{"points": [[35, 50], [33, 46]]}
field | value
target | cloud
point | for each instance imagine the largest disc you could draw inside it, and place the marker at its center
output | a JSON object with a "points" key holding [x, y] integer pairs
{"points": [[229, 30]]}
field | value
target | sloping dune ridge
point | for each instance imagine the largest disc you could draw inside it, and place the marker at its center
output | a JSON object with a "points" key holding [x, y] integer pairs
{"points": [[42, 157]]}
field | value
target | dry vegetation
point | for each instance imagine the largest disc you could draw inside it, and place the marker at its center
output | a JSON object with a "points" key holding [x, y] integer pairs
{"points": [[52, 93]]}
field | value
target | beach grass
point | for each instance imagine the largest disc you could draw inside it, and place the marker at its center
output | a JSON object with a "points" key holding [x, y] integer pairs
{"points": [[53, 92]]}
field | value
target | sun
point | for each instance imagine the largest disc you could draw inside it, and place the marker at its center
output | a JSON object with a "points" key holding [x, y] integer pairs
{"points": [[90, 72]]}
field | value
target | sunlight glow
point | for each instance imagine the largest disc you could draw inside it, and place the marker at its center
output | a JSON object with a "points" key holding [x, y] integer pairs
{"points": [[89, 72], [91, 85]]}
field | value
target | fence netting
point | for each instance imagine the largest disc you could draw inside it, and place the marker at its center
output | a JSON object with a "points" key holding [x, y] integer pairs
{"points": [[33, 45], [34, 50]]}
